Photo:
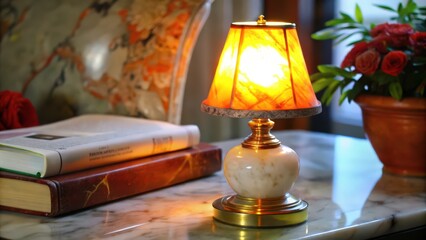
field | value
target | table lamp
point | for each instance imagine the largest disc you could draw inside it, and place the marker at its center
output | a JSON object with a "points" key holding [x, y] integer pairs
{"points": [[261, 75]]}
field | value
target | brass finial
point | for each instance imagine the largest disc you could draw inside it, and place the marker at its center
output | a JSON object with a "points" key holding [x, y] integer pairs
{"points": [[261, 19]]}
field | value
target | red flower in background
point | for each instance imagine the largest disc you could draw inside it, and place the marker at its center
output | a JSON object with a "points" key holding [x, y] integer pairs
{"points": [[397, 33], [16, 111], [388, 40], [394, 62], [381, 43], [367, 62], [392, 29], [349, 59], [418, 41]]}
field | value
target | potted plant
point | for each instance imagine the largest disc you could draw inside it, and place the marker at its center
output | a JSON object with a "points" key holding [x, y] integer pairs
{"points": [[385, 74]]}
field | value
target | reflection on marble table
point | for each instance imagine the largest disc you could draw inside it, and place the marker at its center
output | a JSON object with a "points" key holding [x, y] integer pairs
{"points": [[340, 177]]}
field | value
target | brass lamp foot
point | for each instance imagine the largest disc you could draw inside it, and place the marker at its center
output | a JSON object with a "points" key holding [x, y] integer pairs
{"points": [[252, 212]]}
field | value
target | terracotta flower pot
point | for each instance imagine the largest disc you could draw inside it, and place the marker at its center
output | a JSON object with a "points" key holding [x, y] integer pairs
{"points": [[397, 132]]}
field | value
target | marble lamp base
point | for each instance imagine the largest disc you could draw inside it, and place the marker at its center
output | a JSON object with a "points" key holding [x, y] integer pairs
{"points": [[261, 171]]}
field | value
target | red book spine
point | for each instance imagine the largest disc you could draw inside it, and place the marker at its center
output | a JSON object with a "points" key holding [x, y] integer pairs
{"points": [[80, 190]]}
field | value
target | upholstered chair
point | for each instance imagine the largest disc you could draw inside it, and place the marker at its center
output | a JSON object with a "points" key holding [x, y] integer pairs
{"points": [[112, 56]]}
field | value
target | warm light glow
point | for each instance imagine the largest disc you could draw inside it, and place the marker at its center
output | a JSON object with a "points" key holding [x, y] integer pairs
{"points": [[262, 71], [262, 68]]}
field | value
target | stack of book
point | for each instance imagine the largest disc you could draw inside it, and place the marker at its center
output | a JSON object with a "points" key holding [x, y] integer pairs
{"points": [[90, 160]]}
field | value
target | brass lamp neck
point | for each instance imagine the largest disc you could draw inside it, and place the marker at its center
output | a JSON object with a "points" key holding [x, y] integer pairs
{"points": [[261, 137]]}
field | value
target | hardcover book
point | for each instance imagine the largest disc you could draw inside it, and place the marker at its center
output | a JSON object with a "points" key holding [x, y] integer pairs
{"points": [[61, 194], [89, 141]]}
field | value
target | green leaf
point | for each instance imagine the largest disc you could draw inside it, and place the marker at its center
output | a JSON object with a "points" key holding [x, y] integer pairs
{"points": [[327, 33], [395, 90], [328, 94], [356, 90], [410, 8], [385, 7], [342, 39], [382, 78], [338, 36], [347, 18], [358, 14], [349, 27], [335, 70], [343, 96], [400, 7], [345, 82], [334, 22], [322, 83], [316, 76], [326, 68]]}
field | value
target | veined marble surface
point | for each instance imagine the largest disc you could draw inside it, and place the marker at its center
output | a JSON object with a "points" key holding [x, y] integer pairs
{"points": [[340, 177]]}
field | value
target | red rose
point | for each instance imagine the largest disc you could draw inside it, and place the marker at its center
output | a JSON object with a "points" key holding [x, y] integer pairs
{"points": [[399, 41], [392, 29], [367, 62], [397, 32], [418, 41], [381, 43], [16, 111], [349, 59], [394, 62], [379, 29], [400, 29]]}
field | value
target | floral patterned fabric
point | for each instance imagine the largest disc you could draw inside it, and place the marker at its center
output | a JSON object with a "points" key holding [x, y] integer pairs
{"points": [[112, 56]]}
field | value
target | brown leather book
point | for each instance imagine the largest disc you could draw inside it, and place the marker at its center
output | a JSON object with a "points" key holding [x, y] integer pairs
{"points": [[66, 193]]}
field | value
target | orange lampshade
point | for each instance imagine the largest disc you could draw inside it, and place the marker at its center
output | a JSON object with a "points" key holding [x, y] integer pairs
{"points": [[262, 69]]}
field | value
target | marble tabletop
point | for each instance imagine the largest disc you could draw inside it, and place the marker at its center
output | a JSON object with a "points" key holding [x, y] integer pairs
{"points": [[340, 177]]}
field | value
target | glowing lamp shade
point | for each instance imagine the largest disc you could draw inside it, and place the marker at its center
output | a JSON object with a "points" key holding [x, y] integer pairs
{"points": [[262, 68]]}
